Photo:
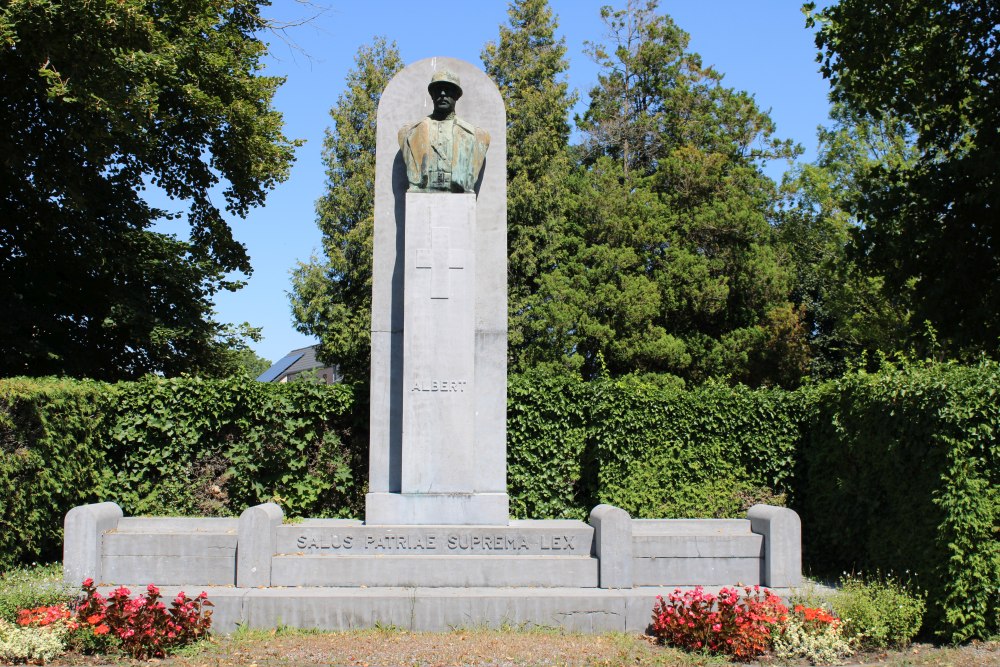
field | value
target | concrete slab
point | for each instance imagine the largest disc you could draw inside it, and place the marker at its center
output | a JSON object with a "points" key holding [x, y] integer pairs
{"points": [[170, 570], [696, 571], [170, 544], [593, 610]]}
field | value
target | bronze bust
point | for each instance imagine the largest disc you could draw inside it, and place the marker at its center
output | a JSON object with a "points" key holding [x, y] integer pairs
{"points": [[442, 152]]}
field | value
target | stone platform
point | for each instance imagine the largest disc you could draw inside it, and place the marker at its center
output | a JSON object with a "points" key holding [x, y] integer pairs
{"points": [[340, 574], [431, 609]]}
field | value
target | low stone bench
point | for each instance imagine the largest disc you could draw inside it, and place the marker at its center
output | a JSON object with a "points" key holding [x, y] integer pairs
{"points": [[614, 551], [113, 549]]}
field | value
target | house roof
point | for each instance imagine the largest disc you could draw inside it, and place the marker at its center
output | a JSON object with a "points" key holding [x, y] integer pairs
{"points": [[296, 361]]}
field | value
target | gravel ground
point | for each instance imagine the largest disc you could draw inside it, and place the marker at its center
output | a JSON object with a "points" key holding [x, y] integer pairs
{"points": [[491, 648]]}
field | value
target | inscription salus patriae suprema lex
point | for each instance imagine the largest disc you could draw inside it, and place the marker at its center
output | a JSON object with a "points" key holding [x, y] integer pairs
{"points": [[439, 541]]}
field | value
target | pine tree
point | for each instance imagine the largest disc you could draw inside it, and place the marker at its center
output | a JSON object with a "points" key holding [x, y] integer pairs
{"points": [[528, 63], [331, 296], [669, 263]]}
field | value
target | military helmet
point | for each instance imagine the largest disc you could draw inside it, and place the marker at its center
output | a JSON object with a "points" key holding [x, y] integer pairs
{"points": [[445, 77]]}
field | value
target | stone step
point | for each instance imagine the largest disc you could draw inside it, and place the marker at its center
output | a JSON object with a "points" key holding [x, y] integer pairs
{"points": [[687, 552], [434, 571], [432, 609]]}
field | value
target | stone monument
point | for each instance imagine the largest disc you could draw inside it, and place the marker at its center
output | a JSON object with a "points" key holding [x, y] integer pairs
{"points": [[439, 300], [437, 549]]}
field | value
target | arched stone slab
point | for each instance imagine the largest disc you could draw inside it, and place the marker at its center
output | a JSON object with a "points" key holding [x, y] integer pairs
{"points": [[405, 100]]}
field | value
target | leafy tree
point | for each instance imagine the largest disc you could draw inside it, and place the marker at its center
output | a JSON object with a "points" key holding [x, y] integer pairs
{"points": [[528, 64], [331, 296], [848, 312], [929, 225], [99, 100], [247, 362], [668, 262]]}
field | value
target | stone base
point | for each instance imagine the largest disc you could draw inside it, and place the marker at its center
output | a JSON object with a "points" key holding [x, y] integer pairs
{"points": [[340, 574], [479, 509], [591, 610]]}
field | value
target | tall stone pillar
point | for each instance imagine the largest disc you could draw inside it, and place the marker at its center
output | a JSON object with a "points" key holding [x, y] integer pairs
{"points": [[439, 322]]}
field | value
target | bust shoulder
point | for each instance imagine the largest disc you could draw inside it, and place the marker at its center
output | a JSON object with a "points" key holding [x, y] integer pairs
{"points": [[404, 132], [481, 135]]}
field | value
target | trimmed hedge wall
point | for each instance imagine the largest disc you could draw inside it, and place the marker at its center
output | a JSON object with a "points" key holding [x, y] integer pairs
{"points": [[901, 472], [171, 447], [895, 470]]}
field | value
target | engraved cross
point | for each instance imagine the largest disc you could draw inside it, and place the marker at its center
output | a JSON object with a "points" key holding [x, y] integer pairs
{"points": [[440, 258]]}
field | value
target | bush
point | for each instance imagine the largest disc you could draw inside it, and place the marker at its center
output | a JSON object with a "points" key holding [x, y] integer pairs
{"points": [[52, 458], [34, 586], [901, 471], [813, 634], [727, 624], [38, 644], [179, 446], [879, 612], [712, 451]]}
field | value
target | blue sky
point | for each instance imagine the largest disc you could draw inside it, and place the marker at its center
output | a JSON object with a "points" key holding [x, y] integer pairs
{"points": [[761, 46]]}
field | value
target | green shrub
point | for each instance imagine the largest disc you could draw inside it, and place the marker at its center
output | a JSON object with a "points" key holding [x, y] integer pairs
{"points": [[32, 586], [178, 446], [819, 644], [712, 451], [52, 458], [901, 471], [34, 645], [214, 447], [878, 612]]}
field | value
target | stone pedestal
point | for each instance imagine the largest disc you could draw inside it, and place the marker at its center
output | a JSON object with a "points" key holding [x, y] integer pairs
{"points": [[439, 411]]}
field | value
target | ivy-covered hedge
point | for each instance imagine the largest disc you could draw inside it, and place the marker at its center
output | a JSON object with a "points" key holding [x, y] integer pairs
{"points": [[901, 472], [182, 446], [654, 450], [52, 458], [894, 471]]}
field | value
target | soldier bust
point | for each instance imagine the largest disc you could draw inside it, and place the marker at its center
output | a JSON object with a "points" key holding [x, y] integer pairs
{"points": [[442, 152]]}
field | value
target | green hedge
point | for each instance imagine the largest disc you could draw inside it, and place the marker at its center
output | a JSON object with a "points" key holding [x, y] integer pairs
{"points": [[51, 459], [182, 446], [901, 472], [712, 451], [894, 471]]}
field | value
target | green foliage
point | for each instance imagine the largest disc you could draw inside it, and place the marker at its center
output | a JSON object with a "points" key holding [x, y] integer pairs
{"points": [[180, 446], [51, 459], [192, 446], [848, 312], [549, 461], [664, 260], [528, 64], [101, 99], [928, 224], [331, 296], [653, 450], [32, 586], [709, 452], [901, 471], [878, 612]]}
